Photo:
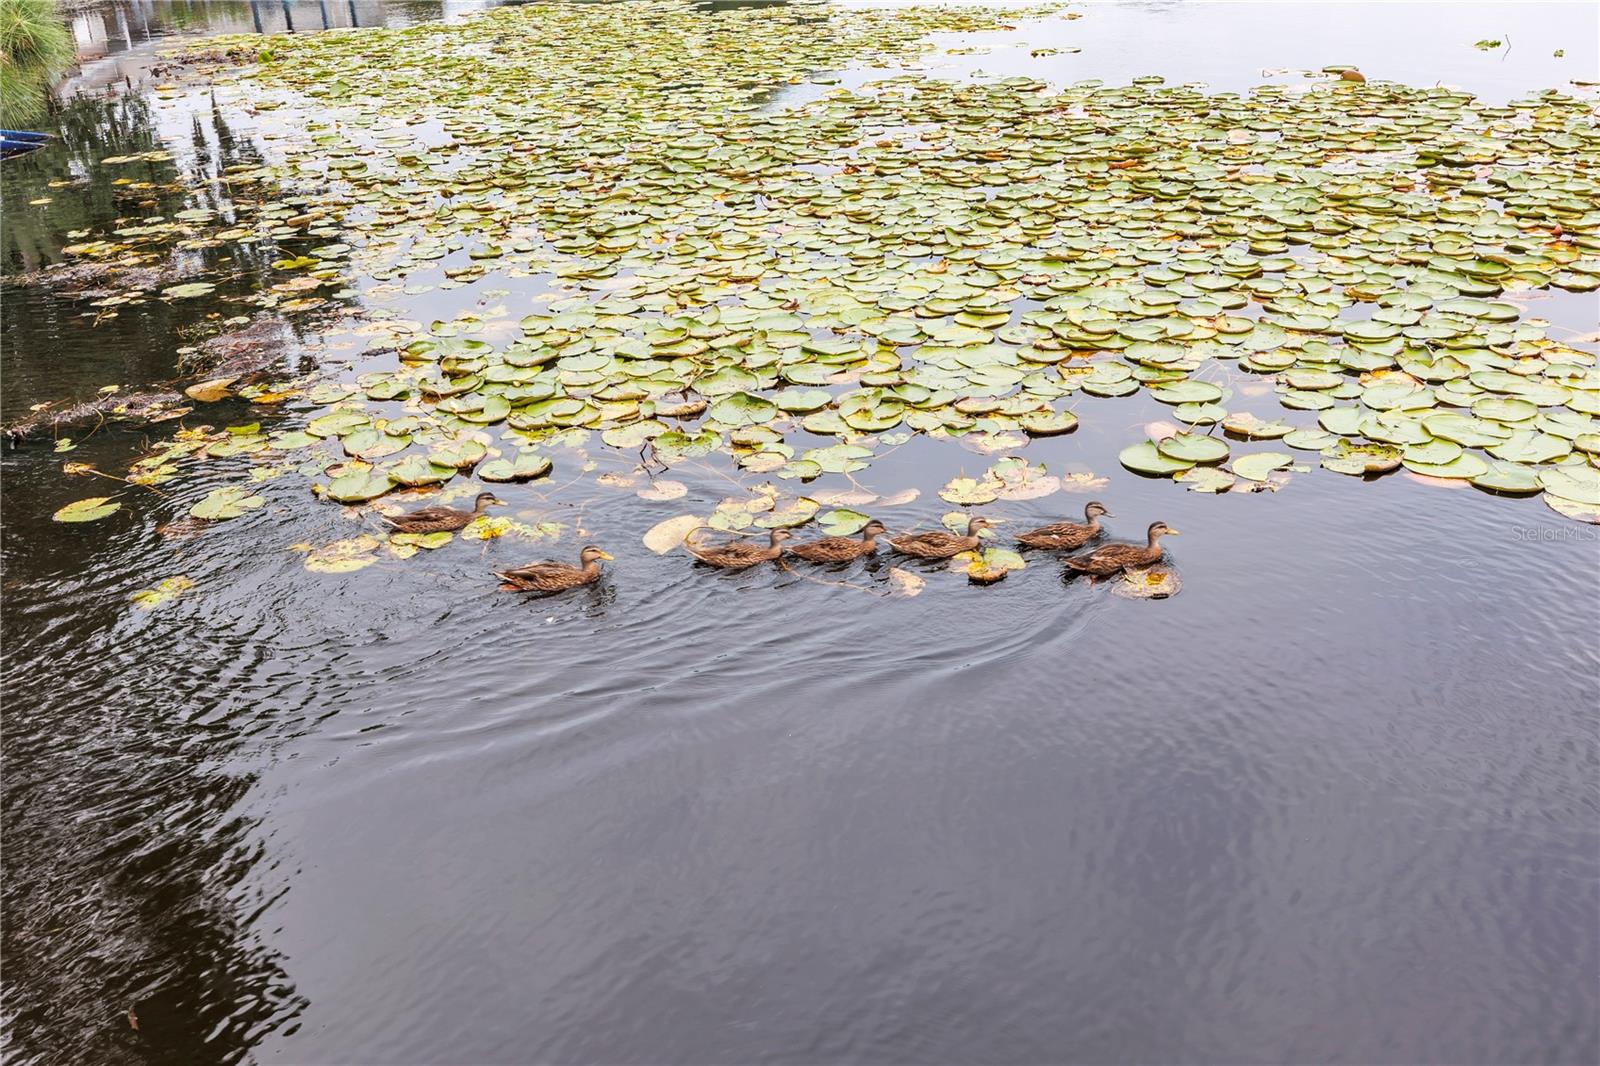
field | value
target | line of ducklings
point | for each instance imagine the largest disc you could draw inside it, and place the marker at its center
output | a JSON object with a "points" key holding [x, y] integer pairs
{"points": [[939, 544], [547, 576]]}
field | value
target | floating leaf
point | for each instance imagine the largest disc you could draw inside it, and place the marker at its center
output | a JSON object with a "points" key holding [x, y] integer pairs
{"points": [[988, 565], [1147, 459], [1205, 479], [230, 501], [358, 486], [524, 466], [1581, 484], [1148, 583], [431, 541], [487, 527], [664, 536], [1194, 448], [210, 391], [89, 510], [343, 556], [842, 522], [663, 489], [905, 583], [189, 290], [968, 492], [789, 513], [1257, 465], [168, 589]]}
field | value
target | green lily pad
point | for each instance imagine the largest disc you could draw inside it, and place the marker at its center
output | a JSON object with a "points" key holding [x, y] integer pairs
{"points": [[1531, 446], [1508, 479], [1194, 448], [1257, 465], [1145, 458], [1580, 484], [230, 501], [87, 510], [743, 409], [415, 471], [359, 486], [1466, 467], [1205, 479], [524, 466]]}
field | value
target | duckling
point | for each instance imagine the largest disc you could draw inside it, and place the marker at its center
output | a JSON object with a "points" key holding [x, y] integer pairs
{"points": [[556, 577], [1067, 535], [439, 519], [1114, 558], [939, 544], [739, 555], [840, 549]]}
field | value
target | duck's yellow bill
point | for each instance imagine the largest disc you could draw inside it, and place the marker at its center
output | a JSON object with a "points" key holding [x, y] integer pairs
{"points": [[1173, 532], [605, 555]]}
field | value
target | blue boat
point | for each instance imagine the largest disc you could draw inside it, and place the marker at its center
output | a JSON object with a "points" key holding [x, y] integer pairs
{"points": [[16, 142]]}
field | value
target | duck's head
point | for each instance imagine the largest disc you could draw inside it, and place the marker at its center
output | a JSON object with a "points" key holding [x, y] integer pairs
{"points": [[592, 554], [978, 522], [1095, 510], [484, 499], [1161, 529], [780, 535], [873, 529]]}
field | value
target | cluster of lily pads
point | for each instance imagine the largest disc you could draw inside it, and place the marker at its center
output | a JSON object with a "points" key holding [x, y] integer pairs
{"points": [[977, 260], [138, 255]]}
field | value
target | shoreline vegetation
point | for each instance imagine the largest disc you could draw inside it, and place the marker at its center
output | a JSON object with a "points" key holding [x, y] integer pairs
{"points": [[35, 50]]}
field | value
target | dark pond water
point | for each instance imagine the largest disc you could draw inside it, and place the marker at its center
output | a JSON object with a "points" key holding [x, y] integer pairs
{"points": [[1336, 801]]}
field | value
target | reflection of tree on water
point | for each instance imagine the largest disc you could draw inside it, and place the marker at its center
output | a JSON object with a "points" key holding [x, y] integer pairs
{"points": [[124, 852], [92, 130]]}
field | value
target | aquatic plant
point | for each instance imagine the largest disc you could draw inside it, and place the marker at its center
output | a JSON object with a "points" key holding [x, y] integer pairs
{"points": [[35, 48], [986, 260]]}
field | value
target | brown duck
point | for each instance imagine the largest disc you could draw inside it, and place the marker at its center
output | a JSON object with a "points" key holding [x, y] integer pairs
{"points": [[840, 549], [1115, 557], [739, 555], [939, 544], [555, 577], [439, 519], [1059, 535]]}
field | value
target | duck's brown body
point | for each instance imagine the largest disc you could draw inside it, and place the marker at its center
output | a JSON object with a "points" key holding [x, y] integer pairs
{"points": [[839, 549], [1059, 536], [1117, 557], [739, 555], [439, 519], [939, 544], [555, 577]]}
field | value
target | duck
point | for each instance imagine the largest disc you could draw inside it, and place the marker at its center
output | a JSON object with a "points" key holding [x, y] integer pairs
{"points": [[439, 519], [739, 555], [1067, 535], [939, 544], [841, 549], [1114, 558], [556, 577]]}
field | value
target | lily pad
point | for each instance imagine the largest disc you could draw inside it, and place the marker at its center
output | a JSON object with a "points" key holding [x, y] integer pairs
{"points": [[1581, 484], [88, 510], [1194, 448], [230, 501], [666, 535], [1205, 479], [524, 466], [165, 591], [1257, 465], [359, 486], [1146, 458]]}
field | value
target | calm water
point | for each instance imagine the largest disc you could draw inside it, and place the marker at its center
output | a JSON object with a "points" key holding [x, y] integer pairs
{"points": [[1336, 801]]}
